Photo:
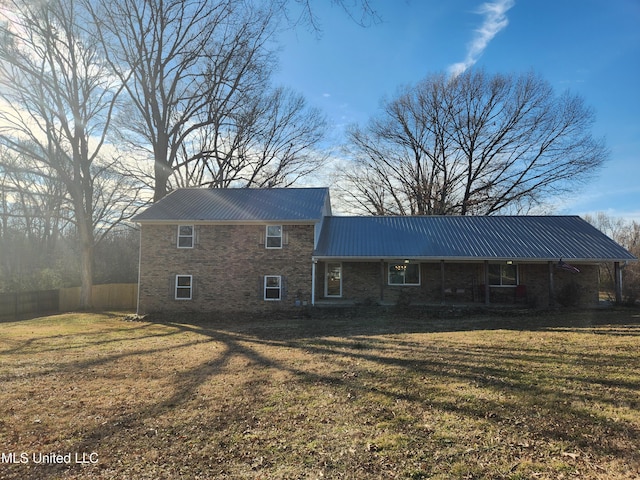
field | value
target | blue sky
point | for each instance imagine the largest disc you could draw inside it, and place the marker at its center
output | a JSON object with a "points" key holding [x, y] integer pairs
{"points": [[591, 47]]}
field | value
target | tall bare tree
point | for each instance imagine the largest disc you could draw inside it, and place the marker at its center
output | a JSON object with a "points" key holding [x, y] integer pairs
{"points": [[472, 144], [58, 95], [183, 59], [269, 142]]}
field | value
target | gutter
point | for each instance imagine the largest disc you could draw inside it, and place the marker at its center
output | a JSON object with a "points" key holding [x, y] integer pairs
{"points": [[357, 258]]}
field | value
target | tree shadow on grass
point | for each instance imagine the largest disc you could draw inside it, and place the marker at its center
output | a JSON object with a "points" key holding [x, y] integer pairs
{"points": [[376, 372]]}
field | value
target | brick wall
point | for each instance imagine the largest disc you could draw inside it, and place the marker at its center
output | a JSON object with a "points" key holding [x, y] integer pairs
{"points": [[364, 283], [228, 264], [584, 285]]}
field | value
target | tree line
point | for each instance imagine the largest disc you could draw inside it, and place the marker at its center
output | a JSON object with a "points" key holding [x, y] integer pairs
{"points": [[107, 105], [102, 99]]}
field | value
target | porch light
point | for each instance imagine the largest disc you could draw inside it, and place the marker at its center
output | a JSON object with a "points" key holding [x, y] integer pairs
{"points": [[406, 260]]}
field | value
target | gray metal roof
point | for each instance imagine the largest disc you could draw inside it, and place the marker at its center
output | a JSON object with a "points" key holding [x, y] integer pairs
{"points": [[239, 205], [466, 237]]}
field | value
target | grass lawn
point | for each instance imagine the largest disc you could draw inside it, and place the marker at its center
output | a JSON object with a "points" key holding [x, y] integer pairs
{"points": [[384, 397]]}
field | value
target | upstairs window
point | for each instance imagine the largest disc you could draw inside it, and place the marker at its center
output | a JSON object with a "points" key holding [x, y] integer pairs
{"points": [[185, 236], [503, 275], [404, 273], [272, 287], [274, 236]]}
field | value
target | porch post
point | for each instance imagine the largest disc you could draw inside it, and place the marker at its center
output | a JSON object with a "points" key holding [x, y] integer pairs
{"points": [[618, 281], [552, 288], [486, 282], [314, 262], [442, 294], [381, 280]]}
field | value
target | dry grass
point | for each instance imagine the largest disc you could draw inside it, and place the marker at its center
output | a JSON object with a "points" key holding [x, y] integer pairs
{"points": [[386, 397]]}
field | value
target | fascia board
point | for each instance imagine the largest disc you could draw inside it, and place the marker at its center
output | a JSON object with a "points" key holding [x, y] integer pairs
{"points": [[470, 259]]}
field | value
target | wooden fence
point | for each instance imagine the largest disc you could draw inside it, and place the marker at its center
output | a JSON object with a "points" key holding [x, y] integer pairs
{"points": [[117, 296]]}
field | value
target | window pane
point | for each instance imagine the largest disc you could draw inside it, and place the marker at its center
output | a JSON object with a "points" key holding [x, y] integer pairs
{"points": [[273, 282], [184, 281], [272, 293], [396, 273], [494, 274], [186, 230], [183, 292], [274, 242], [509, 275], [185, 242], [274, 230], [412, 273]]}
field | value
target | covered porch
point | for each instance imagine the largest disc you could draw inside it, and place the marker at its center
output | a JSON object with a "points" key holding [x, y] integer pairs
{"points": [[414, 281]]}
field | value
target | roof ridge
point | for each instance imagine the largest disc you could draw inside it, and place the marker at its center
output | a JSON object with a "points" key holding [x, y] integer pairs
{"points": [[247, 189]]}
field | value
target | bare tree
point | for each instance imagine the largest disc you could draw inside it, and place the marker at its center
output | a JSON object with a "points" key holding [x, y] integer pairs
{"points": [[58, 98], [270, 142], [38, 237], [32, 203], [184, 58], [472, 144], [362, 12]]}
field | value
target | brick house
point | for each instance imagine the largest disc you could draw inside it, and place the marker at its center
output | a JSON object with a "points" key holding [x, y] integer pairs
{"points": [[265, 249]]}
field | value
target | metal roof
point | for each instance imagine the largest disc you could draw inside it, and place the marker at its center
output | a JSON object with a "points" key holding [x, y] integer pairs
{"points": [[538, 238], [239, 205]]}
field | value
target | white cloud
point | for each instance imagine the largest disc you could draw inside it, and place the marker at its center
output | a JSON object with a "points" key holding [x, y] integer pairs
{"points": [[495, 20]]}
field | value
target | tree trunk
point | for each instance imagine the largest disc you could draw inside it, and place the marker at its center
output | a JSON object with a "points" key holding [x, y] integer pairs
{"points": [[161, 169], [86, 276], [160, 187], [85, 231]]}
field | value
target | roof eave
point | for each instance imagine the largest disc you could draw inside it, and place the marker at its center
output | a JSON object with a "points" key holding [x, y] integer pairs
{"points": [[377, 258]]}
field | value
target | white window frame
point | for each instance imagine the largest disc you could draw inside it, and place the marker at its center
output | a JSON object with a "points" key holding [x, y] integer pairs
{"points": [[181, 236], [183, 287], [278, 288], [267, 237], [502, 266], [399, 265]]}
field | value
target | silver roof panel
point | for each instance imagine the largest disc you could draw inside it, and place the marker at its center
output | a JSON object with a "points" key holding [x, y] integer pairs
{"points": [[467, 237], [238, 205]]}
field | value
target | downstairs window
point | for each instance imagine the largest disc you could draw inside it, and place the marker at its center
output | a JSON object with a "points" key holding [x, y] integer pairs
{"points": [[184, 287], [272, 287], [404, 273]]}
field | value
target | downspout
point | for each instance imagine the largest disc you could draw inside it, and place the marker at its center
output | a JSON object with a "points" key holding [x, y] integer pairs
{"points": [[139, 272]]}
